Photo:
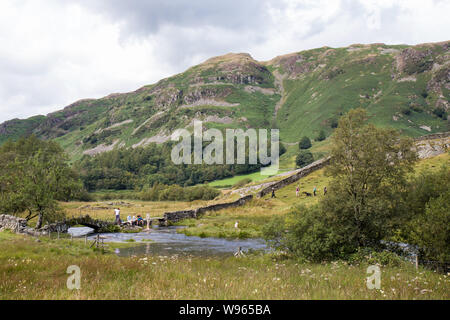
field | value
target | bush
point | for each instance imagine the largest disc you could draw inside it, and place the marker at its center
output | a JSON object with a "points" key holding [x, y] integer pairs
{"points": [[372, 256], [311, 237], [321, 136], [160, 192], [304, 158], [305, 143], [431, 230], [406, 111], [440, 112], [334, 123]]}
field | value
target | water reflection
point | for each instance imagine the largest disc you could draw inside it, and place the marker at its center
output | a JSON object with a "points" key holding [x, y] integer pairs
{"points": [[167, 241]]}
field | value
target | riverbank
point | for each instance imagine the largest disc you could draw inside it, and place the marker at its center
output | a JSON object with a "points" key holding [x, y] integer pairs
{"points": [[37, 270]]}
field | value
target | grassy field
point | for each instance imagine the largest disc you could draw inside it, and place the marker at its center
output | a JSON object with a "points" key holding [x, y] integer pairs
{"points": [[37, 270]]}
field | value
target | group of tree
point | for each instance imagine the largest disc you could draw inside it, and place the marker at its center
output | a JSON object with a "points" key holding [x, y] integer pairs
{"points": [[304, 157], [160, 192], [128, 168], [373, 196], [34, 175]]}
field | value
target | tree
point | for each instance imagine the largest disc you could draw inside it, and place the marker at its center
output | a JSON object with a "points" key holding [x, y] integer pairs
{"points": [[366, 198], [35, 174], [431, 230], [429, 214], [369, 167], [321, 136], [304, 158], [304, 143]]}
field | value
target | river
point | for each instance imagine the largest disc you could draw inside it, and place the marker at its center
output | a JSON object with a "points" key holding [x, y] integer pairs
{"points": [[167, 241]]}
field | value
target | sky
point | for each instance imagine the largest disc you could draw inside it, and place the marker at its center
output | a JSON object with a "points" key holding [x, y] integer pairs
{"points": [[53, 53]]}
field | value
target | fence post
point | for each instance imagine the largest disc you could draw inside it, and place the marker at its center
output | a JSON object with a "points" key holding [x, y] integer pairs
{"points": [[417, 261]]}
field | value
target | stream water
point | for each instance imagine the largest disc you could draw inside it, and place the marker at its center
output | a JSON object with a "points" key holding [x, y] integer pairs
{"points": [[167, 241]]}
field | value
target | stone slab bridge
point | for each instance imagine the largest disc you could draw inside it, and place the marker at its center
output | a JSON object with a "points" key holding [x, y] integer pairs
{"points": [[87, 221], [169, 217]]}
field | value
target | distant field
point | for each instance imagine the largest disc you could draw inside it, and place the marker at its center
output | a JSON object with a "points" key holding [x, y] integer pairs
{"points": [[228, 182]]}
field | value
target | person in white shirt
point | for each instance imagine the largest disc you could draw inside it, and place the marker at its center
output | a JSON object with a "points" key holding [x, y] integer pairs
{"points": [[117, 212]]}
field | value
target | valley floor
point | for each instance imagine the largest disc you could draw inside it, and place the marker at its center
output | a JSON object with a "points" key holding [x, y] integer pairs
{"points": [[37, 270]]}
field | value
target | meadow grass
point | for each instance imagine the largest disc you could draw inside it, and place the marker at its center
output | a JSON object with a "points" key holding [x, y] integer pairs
{"points": [[37, 270]]}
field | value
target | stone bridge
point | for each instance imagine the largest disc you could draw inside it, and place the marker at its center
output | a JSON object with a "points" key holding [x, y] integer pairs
{"points": [[87, 221], [19, 225]]}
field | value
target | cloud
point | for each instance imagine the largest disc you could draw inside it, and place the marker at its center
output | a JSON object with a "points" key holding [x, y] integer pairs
{"points": [[53, 53]]}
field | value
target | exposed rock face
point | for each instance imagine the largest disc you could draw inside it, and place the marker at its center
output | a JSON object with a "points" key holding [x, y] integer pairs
{"points": [[433, 145], [100, 148], [412, 61]]}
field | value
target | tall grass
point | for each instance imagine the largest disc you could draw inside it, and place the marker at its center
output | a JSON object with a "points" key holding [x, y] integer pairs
{"points": [[37, 270]]}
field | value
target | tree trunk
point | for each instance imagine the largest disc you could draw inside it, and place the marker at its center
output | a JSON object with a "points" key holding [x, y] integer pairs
{"points": [[39, 222]]}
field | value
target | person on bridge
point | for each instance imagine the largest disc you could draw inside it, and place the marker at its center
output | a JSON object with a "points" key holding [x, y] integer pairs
{"points": [[140, 221], [117, 212]]}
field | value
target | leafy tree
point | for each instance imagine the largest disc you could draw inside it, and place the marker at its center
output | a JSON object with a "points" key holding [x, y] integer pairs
{"points": [[429, 214], [366, 198], [369, 167], [305, 143], [304, 158], [34, 175], [431, 230]]}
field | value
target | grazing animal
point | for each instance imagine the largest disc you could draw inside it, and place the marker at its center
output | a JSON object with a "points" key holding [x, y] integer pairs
{"points": [[307, 194]]}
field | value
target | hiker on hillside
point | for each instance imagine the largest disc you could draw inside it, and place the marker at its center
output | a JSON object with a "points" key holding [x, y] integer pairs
{"points": [[273, 193], [117, 212], [314, 191], [325, 190], [297, 192]]}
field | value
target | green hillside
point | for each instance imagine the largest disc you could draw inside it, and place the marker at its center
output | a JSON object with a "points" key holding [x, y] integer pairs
{"points": [[405, 87]]}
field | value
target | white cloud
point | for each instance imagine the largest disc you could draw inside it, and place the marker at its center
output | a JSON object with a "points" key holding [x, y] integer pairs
{"points": [[53, 53]]}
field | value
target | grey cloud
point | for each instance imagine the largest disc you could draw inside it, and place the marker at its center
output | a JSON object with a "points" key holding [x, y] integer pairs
{"points": [[148, 17]]}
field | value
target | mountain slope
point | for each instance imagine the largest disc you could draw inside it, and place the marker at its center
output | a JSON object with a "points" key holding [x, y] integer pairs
{"points": [[405, 87]]}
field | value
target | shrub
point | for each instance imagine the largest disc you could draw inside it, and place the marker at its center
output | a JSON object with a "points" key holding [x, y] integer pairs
{"points": [[321, 136], [334, 123], [440, 112], [305, 143], [372, 256], [406, 111], [304, 158], [431, 230]]}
